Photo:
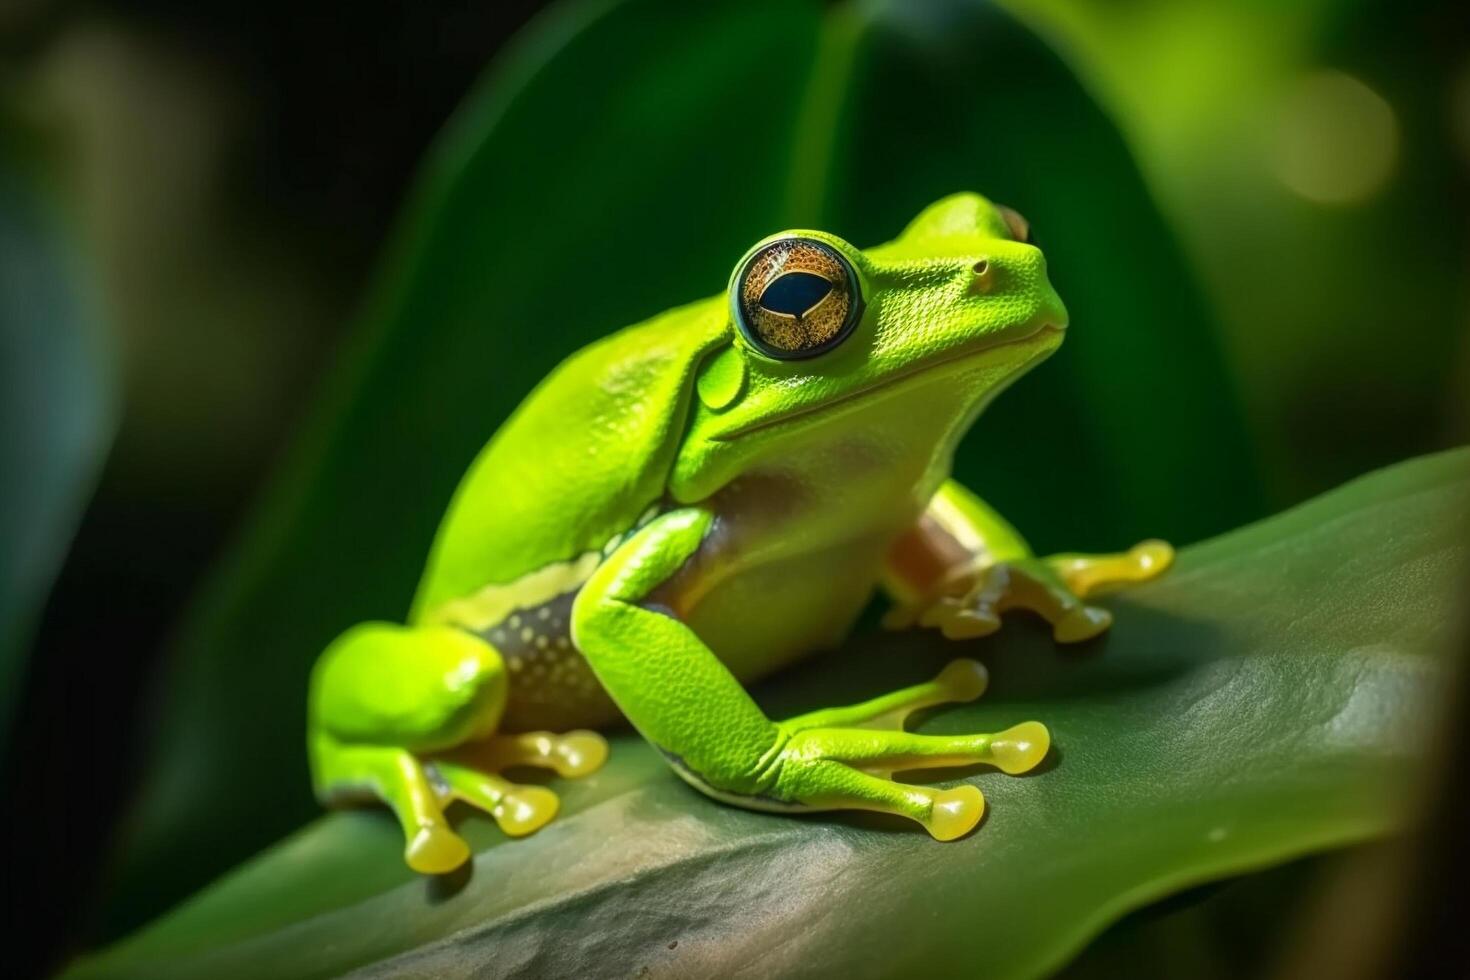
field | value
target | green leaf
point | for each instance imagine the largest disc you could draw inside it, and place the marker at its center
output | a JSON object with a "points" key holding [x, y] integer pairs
{"points": [[1240, 927], [1267, 698], [617, 161], [56, 411]]}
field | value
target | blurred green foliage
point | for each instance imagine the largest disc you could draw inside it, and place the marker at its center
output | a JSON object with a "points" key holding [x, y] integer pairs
{"points": [[56, 407], [1314, 158]]}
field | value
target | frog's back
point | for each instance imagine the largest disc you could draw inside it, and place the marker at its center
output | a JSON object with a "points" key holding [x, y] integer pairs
{"points": [[578, 466]]}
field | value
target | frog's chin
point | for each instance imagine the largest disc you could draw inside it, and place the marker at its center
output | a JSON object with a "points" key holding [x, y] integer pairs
{"points": [[1026, 346]]}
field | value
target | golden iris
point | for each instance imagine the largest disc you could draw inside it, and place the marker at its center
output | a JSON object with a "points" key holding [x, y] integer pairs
{"points": [[797, 297]]}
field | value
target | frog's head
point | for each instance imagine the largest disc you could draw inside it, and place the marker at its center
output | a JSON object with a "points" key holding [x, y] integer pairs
{"points": [[934, 322]]}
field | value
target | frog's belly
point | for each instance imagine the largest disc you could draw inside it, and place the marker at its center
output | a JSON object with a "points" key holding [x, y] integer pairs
{"points": [[761, 618], [756, 619]]}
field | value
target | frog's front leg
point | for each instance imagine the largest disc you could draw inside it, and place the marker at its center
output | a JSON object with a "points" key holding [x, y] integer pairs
{"points": [[686, 703], [962, 565], [407, 715]]}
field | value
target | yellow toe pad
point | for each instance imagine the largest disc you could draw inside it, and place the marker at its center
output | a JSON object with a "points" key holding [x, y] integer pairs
{"points": [[526, 809], [963, 679], [955, 812], [580, 753], [1082, 623], [1020, 749], [436, 851]]}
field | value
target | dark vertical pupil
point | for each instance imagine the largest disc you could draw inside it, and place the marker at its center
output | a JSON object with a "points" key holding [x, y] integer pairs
{"points": [[795, 293]]}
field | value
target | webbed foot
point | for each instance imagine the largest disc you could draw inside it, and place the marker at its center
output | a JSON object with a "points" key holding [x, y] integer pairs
{"points": [[418, 787], [471, 773], [845, 758], [971, 602]]}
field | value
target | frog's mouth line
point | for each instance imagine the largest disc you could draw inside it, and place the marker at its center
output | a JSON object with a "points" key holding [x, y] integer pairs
{"points": [[923, 367]]}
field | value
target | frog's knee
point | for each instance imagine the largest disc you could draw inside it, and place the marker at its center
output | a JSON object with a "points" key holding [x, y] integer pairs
{"points": [[420, 688]]}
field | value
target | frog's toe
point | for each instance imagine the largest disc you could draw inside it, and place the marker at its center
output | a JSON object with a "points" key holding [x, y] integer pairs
{"points": [[960, 617], [940, 610], [435, 850], [525, 809], [1152, 557], [969, 624], [1087, 575], [954, 812], [1080, 623], [579, 753], [518, 810], [1020, 748], [573, 754], [962, 679]]}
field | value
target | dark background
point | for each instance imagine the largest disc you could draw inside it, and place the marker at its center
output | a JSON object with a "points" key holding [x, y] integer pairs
{"points": [[315, 117]]}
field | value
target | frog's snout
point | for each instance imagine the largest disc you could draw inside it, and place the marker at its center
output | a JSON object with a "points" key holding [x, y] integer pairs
{"points": [[1015, 269]]}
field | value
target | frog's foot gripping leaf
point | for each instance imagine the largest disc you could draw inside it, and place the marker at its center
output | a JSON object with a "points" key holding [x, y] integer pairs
{"points": [[971, 602], [470, 773], [407, 715], [844, 758], [419, 787]]}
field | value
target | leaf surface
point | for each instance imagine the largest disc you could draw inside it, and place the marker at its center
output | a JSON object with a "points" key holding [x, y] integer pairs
{"points": [[1270, 697]]}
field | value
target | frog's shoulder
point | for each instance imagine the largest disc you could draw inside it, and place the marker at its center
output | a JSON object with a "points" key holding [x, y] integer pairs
{"points": [[577, 465]]}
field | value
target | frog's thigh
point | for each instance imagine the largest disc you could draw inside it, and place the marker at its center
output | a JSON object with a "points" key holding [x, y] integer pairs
{"points": [[421, 688]]}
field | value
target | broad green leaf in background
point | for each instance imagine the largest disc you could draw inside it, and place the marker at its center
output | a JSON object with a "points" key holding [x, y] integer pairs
{"points": [[1277, 183], [1268, 698], [56, 411], [615, 162]]}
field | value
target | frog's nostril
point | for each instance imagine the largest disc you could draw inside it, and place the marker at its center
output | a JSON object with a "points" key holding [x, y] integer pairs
{"points": [[984, 276]]}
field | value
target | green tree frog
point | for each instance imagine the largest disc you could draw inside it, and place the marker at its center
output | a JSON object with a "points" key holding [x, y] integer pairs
{"points": [[696, 501]]}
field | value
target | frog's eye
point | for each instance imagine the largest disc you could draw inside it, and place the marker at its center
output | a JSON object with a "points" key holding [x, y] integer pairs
{"points": [[1019, 227], [796, 297]]}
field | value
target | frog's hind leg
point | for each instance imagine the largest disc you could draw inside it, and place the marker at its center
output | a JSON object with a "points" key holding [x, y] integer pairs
{"points": [[391, 708]]}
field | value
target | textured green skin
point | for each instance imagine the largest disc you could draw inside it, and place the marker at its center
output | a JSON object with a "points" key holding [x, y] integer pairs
{"points": [[779, 488]]}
